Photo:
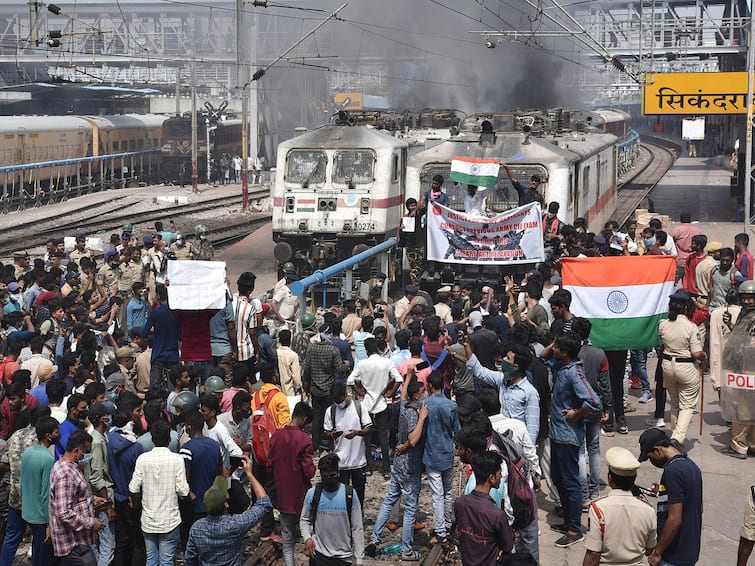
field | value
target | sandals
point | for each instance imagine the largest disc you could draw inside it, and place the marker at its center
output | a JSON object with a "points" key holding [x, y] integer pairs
{"points": [[412, 556], [437, 539]]}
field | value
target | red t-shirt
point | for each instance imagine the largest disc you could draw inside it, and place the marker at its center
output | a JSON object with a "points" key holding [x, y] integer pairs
{"points": [[195, 335]]}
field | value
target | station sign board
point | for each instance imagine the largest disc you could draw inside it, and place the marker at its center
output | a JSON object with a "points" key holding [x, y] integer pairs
{"points": [[695, 93]]}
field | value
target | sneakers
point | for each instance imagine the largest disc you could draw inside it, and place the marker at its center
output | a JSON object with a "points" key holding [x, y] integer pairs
{"points": [[656, 423], [645, 397], [560, 528], [569, 539]]}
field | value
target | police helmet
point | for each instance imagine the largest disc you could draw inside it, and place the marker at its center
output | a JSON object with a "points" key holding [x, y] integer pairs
{"points": [[214, 384], [747, 287], [185, 401], [200, 230], [307, 320], [289, 267]]}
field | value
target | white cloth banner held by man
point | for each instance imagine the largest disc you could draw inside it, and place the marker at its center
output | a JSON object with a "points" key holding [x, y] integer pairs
{"points": [[196, 285], [514, 236]]}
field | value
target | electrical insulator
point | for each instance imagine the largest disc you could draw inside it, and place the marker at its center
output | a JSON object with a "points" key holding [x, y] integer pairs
{"points": [[53, 42], [55, 34], [617, 63]]}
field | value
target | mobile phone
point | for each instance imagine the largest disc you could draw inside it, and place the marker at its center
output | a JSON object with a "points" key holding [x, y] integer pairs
{"points": [[237, 461], [422, 365]]}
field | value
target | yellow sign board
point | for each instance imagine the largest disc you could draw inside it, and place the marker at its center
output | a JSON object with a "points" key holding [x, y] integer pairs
{"points": [[348, 100], [695, 93]]}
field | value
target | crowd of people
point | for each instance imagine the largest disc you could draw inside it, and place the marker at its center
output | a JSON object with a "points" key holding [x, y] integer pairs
{"points": [[134, 433]]}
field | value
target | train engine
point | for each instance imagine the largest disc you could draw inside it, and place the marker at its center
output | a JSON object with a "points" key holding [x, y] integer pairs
{"points": [[339, 189]]}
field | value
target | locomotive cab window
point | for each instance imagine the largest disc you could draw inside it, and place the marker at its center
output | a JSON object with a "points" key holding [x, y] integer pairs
{"points": [[305, 167], [353, 167]]}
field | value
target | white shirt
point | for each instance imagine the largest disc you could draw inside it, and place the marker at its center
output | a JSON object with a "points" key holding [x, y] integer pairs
{"points": [[475, 205], [520, 437], [374, 373], [160, 475], [286, 302], [351, 453], [228, 447]]}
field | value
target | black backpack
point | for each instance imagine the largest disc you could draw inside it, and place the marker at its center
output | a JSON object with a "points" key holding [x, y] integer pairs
{"points": [[520, 493]]}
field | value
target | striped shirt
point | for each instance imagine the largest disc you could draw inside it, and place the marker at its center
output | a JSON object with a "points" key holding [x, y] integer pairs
{"points": [[245, 311]]}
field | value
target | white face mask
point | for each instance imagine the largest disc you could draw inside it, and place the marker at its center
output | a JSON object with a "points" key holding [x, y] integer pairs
{"points": [[343, 404]]}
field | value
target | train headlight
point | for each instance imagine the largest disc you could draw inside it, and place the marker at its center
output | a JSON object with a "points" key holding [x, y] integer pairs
{"points": [[303, 226], [290, 202], [347, 226], [364, 206]]}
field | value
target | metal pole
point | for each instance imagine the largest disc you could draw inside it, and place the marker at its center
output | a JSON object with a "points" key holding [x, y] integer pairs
{"points": [[178, 92], [194, 188], [243, 78], [748, 125], [207, 128]]}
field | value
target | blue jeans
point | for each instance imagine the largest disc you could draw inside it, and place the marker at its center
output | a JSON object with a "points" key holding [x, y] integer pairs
{"points": [[565, 476], [161, 547], [441, 485], [592, 442], [527, 539], [638, 360], [41, 552], [104, 548], [14, 530], [407, 488]]}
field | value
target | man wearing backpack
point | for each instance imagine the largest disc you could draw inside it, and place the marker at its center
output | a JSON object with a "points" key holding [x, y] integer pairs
{"points": [[270, 413], [331, 520], [515, 431], [293, 468], [348, 425]]}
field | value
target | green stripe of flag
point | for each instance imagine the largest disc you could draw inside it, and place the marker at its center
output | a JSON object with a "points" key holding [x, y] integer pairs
{"points": [[477, 180], [626, 333], [305, 209]]}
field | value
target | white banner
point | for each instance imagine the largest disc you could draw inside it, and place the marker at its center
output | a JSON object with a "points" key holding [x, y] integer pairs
{"points": [[512, 236], [196, 285]]}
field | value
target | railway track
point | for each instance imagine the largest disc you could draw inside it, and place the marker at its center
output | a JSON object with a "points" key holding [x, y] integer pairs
{"points": [[658, 155], [34, 233]]}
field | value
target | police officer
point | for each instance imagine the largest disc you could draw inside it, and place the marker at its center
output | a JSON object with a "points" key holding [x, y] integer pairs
{"points": [[747, 533], [682, 347], [20, 263], [288, 269], [742, 435], [201, 246], [622, 527], [179, 249], [107, 276]]}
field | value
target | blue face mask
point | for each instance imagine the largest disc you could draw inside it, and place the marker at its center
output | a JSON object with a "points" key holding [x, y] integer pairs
{"points": [[85, 460], [649, 242], [112, 396]]}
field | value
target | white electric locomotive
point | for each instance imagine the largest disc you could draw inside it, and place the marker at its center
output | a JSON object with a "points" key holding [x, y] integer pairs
{"points": [[575, 160], [338, 189]]}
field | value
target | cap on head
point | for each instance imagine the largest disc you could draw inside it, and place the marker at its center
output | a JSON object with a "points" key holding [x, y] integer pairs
{"points": [[621, 462], [115, 380], [99, 410], [651, 438], [125, 352], [20, 254], [714, 247], [444, 290], [13, 287], [148, 240], [381, 275], [475, 319], [411, 290], [215, 497], [45, 370]]}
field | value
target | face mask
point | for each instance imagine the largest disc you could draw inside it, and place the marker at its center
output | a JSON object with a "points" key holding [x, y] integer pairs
{"points": [[83, 415], [342, 404], [550, 216], [379, 285], [649, 242], [657, 463], [112, 396], [330, 484], [246, 414], [85, 460]]}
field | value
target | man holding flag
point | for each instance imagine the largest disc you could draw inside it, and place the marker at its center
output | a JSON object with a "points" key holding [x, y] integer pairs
{"points": [[480, 175]]}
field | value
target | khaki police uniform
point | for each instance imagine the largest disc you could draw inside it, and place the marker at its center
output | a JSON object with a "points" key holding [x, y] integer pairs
{"points": [[20, 270], [107, 277], [181, 252], [748, 523], [622, 526], [75, 255], [201, 249], [681, 339]]}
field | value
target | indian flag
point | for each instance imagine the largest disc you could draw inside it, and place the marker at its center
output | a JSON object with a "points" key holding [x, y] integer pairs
{"points": [[624, 297], [478, 172]]}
